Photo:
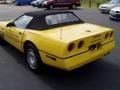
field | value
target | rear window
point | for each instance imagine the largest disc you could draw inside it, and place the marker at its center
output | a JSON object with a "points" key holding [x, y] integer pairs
{"points": [[61, 18]]}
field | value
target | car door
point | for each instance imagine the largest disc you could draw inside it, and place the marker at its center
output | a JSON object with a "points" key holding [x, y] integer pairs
{"points": [[61, 2], [14, 34]]}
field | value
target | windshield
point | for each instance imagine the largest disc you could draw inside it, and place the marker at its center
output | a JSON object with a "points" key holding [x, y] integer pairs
{"points": [[23, 21], [114, 1]]}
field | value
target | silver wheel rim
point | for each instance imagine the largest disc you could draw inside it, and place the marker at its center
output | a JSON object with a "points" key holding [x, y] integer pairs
{"points": [[31, 58], [74, 6], [51, 7]]}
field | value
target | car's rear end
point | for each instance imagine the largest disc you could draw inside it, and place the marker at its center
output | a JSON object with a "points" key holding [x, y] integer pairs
{"points": [[79, 45]]}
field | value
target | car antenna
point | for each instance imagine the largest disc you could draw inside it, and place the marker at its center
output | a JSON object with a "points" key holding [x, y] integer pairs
{"points": [[61, 29], [61, 33]]}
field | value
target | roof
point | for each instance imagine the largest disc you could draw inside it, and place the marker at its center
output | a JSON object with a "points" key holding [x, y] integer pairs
{"points": [[46, 12], [39, 22]]}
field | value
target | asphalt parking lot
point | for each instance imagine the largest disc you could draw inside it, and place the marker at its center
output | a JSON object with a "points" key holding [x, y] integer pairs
{"points": [[103, 74]]}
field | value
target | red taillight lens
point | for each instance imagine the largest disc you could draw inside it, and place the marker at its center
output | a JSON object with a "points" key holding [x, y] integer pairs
{"points": [[71, 46], [80, 44], [111, 34], [107, 35]]}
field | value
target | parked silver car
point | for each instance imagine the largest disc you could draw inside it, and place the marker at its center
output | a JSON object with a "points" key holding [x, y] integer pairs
{"points": [[115, 13], [105, 8], [37, 3]]}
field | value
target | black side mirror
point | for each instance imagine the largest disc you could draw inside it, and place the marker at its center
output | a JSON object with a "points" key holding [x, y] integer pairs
{"points": [[11, 24]]}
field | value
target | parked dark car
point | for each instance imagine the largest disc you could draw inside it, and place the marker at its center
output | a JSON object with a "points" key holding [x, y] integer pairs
{"points": [[37, 3], [50, 4]]}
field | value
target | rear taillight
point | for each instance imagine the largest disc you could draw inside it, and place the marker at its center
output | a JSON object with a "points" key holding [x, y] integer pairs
{"points": [[71, 47], [80, 44], [107, 35], [111, 34]]}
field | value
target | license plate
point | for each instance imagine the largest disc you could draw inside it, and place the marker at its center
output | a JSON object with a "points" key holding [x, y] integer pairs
{"points": [[95, 47]]}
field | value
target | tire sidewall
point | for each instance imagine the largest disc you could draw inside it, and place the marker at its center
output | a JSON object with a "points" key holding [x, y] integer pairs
{"points": [[73, 6], [38, 63]]}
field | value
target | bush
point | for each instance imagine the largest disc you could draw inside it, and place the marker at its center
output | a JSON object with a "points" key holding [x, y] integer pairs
{"points": [[94, 3]]}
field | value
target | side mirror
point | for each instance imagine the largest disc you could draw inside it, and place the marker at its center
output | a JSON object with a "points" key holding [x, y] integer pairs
{"points": [[11, 24]]}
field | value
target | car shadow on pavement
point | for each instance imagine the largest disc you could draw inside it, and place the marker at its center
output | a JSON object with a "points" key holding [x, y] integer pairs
{"points": [[17, 55], [98, 75]]}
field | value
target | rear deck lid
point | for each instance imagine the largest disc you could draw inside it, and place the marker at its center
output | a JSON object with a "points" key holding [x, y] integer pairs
{"points": [[73, 32]]}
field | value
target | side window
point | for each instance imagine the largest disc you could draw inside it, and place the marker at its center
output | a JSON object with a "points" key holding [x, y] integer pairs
{"points": [[23, 21], [52, 19]]}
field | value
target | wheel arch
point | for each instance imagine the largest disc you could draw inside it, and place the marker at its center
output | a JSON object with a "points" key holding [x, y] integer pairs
{"points": [[27, 42], [40, 61]]}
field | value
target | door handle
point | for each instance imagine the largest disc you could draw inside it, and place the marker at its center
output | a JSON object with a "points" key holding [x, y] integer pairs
{"points": [[20, 33]]}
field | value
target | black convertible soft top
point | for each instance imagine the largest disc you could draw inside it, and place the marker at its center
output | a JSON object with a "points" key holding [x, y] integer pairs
{"points": [[39, 21]]}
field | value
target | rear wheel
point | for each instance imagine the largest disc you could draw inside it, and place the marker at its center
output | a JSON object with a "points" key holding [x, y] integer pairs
{"points": [[33, 5], [50, 7], [33, 57], [2, 41], [73, 6]]}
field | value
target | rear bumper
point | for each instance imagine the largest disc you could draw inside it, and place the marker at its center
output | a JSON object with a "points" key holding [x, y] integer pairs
{"points": [[104, 10], [77, 60]]}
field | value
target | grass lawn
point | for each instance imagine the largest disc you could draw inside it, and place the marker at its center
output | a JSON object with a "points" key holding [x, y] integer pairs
{"points": [[85, 4]]}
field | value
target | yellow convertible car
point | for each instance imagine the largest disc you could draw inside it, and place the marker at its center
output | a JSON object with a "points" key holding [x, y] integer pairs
{"points": [[57, 38]]}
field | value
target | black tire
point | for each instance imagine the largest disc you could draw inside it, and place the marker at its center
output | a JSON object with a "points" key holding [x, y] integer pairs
{"points": [[39, 6], [111, 18], [18, 4], [102, 12], [2, 41], [73, 6], [33, 5], [36, 65]]}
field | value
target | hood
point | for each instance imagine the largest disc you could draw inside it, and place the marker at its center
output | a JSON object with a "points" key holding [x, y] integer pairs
{"points": [[116, 8]]}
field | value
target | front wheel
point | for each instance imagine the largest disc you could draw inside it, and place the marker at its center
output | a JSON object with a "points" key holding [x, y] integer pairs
{"points": [[33, 57]]}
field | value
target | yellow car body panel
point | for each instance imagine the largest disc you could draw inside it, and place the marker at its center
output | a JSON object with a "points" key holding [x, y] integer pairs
{"points": [[52, 44]]}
